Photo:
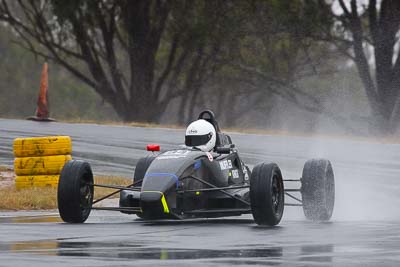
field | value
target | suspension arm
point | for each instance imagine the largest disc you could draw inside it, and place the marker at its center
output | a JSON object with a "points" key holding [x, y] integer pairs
{"points": [[218, 189], [130, 187]]}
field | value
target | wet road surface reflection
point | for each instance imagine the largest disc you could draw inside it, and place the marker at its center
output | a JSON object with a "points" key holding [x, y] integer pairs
{"points": [[115, 239], [141, 251]]}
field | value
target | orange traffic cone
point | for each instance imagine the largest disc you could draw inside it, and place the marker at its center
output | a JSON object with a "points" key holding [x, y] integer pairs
{"points": [[42, 110]]}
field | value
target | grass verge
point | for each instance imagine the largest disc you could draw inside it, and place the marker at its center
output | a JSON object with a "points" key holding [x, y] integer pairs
{"points": [[5, 169], [40, 198]]}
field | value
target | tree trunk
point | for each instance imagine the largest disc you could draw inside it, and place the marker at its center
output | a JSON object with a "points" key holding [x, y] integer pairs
{"points": [[383, 94]]}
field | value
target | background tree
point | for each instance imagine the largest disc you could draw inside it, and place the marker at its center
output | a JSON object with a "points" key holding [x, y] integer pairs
{"points": [[260, 63], [368, 33], [282, 53], [69, 98], [274, 53], [137, 55]]}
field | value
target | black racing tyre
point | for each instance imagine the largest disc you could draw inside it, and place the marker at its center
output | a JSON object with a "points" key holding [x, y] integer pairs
{"points": [[318, 189], [267, 195], [75, 191], [141, 168]]}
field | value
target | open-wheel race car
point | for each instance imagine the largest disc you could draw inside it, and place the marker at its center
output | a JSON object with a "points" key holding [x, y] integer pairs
{"points": [[204, 179]]}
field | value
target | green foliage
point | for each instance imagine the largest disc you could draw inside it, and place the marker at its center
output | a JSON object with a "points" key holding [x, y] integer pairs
{"points": [[20, 81], [242, 54]]}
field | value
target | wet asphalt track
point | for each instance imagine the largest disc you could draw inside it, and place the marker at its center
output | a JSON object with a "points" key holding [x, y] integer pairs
{"points": [[364, 230]]}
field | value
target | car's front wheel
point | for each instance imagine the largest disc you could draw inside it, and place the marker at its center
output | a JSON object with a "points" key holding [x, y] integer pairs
{"points": [[75, 191], [267, 194]]}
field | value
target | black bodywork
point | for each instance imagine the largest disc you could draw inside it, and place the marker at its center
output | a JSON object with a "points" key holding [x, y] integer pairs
{"points": [[190, 183], [186, 183]]}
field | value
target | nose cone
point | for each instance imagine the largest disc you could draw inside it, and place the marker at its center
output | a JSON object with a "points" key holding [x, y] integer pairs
{"points": [[153, 205], [153, 195]]}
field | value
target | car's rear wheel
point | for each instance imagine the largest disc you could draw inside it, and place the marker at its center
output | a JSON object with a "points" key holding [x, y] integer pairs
{"points": [[75, 191], [267, 194], [318, 189]]}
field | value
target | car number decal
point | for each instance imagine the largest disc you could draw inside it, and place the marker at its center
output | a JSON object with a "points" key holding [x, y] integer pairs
{"points": [[235, 174], [225, 164]]}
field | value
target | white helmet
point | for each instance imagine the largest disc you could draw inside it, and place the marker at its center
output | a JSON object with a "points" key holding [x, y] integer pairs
{"points": [[201, 134]]}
